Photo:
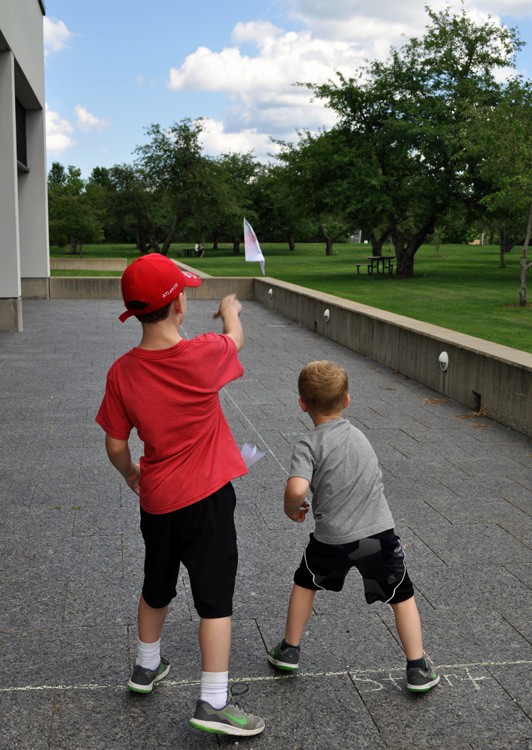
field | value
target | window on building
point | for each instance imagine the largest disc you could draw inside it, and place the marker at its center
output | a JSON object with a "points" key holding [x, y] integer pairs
{"points": [[20, 117]]}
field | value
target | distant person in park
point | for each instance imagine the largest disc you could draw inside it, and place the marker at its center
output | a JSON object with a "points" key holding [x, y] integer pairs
{"points": [[198, 249], [167, 388], [353, 524]]}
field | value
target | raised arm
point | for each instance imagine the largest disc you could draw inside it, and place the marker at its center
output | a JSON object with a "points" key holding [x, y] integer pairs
{"points": [[229, 311]]}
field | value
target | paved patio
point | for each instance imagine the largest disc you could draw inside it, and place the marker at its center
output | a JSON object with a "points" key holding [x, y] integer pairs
{"points": [[460, 489]]}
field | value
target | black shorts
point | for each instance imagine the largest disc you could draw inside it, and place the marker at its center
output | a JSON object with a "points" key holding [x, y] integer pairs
{"points": [[202, 536], [380, 559]]}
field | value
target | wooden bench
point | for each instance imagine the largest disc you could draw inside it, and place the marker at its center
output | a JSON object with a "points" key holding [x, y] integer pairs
{"points": [[369, 266]]}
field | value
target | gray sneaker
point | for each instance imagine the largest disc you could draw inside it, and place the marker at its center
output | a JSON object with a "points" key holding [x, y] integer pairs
{"points": [[284, 658], [142, 680], [420, 680], [230, 719]]}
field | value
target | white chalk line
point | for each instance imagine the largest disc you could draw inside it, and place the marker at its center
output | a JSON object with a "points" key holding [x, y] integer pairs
{"points": [[353, 673]]}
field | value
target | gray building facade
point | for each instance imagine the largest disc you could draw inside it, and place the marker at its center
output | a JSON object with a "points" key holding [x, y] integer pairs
{"points": [[24, 251]]}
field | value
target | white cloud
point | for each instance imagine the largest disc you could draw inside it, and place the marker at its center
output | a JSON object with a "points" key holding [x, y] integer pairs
{"points": [[58, 133], [264, 100], [215, 140], [259, 70], [56, 35], [260, 32], [87, 121], [281, 62]]}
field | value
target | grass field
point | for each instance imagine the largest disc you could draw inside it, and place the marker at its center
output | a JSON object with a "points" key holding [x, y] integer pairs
{"points": [[461, 287]]}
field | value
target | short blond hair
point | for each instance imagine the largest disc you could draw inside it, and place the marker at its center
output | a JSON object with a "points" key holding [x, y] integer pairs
{"points": [[323, 386]]}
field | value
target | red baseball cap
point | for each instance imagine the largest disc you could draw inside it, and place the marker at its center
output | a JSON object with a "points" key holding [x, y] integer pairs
{"points": [[150, 282]]}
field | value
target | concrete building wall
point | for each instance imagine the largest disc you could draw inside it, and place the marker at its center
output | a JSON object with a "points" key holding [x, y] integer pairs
{"points": [[24, 252]]}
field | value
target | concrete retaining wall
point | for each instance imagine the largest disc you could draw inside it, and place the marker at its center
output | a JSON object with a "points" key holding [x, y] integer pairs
{"points": [[38, 288], [480, 374], [89, 264], [85, 287]]}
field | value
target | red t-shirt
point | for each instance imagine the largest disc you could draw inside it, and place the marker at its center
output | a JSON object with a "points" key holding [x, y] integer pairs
{"points": [[171, 397]]}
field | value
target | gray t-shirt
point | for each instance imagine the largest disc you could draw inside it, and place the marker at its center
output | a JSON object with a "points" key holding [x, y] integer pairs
{"points": [[348, 501]]}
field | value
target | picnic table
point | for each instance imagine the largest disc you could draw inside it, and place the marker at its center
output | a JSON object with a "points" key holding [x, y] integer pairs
{"points": [[380, 263]]}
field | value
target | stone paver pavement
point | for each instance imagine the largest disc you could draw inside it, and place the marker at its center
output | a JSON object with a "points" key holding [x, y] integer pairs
{"points": [[71, 558]]}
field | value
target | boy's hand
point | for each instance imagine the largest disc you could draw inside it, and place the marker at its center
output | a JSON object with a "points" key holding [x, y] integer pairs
{"points": [[229, 311], [300, 514], [133, 479], [296, 505], [229, 304]]}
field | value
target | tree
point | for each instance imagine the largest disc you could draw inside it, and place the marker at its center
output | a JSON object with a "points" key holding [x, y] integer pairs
{"points": [[172, 167], [281, 213], [502, 143], [411, 114], [237, 173], [71, 217], [131, 207], [316, 169]]}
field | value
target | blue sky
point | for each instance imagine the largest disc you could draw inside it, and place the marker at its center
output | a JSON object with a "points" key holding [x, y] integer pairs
{"points": [[112, 68]]}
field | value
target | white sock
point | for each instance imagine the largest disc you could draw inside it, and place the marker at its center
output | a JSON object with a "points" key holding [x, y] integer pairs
{"points": [[148, 654], [213, 688]]}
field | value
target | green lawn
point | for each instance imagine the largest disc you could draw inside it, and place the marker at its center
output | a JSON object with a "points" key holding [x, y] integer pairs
{"points": [[460, 287]]}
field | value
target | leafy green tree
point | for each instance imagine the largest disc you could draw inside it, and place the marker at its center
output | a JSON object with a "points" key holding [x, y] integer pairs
{"points": [[237, 173], [132, 208], [281, 213], [316, 168], [411, 115], [72, 219], [502, 143], [172, 167]]}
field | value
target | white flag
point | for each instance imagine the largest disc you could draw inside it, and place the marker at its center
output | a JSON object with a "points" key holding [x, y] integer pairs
{"points": [[252, 248], [251, 454]]}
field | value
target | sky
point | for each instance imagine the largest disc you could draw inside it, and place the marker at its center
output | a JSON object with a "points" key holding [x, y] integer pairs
{"points": [[114, 67]]}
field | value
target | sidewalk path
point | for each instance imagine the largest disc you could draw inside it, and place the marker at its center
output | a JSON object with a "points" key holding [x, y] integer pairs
{"points": [[71, 558]]}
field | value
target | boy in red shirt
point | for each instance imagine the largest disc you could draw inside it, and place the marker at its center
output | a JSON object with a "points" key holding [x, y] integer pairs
{"points": [[167, 389]]}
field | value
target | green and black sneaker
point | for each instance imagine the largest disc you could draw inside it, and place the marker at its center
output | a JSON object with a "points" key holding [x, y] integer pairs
{"points": [[142, 680], [419, 680], [230, 719], [284, 657]]}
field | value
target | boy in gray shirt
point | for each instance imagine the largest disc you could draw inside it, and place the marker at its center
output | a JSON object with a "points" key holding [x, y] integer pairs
{"points": [[354, 526]]}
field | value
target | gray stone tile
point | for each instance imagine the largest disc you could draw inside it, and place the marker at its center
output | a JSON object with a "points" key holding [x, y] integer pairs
{"points": [[467, 705], [474, 543], [26, 717], [72, 557]]}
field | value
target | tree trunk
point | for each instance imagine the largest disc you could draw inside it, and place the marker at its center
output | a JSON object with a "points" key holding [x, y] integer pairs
{"points": [[525, 265], [215, 241], [236, 247], [378, 242], [73, 245], [329, 241], [405, 251], [141, 243], [505, 245], [169, 237]]}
